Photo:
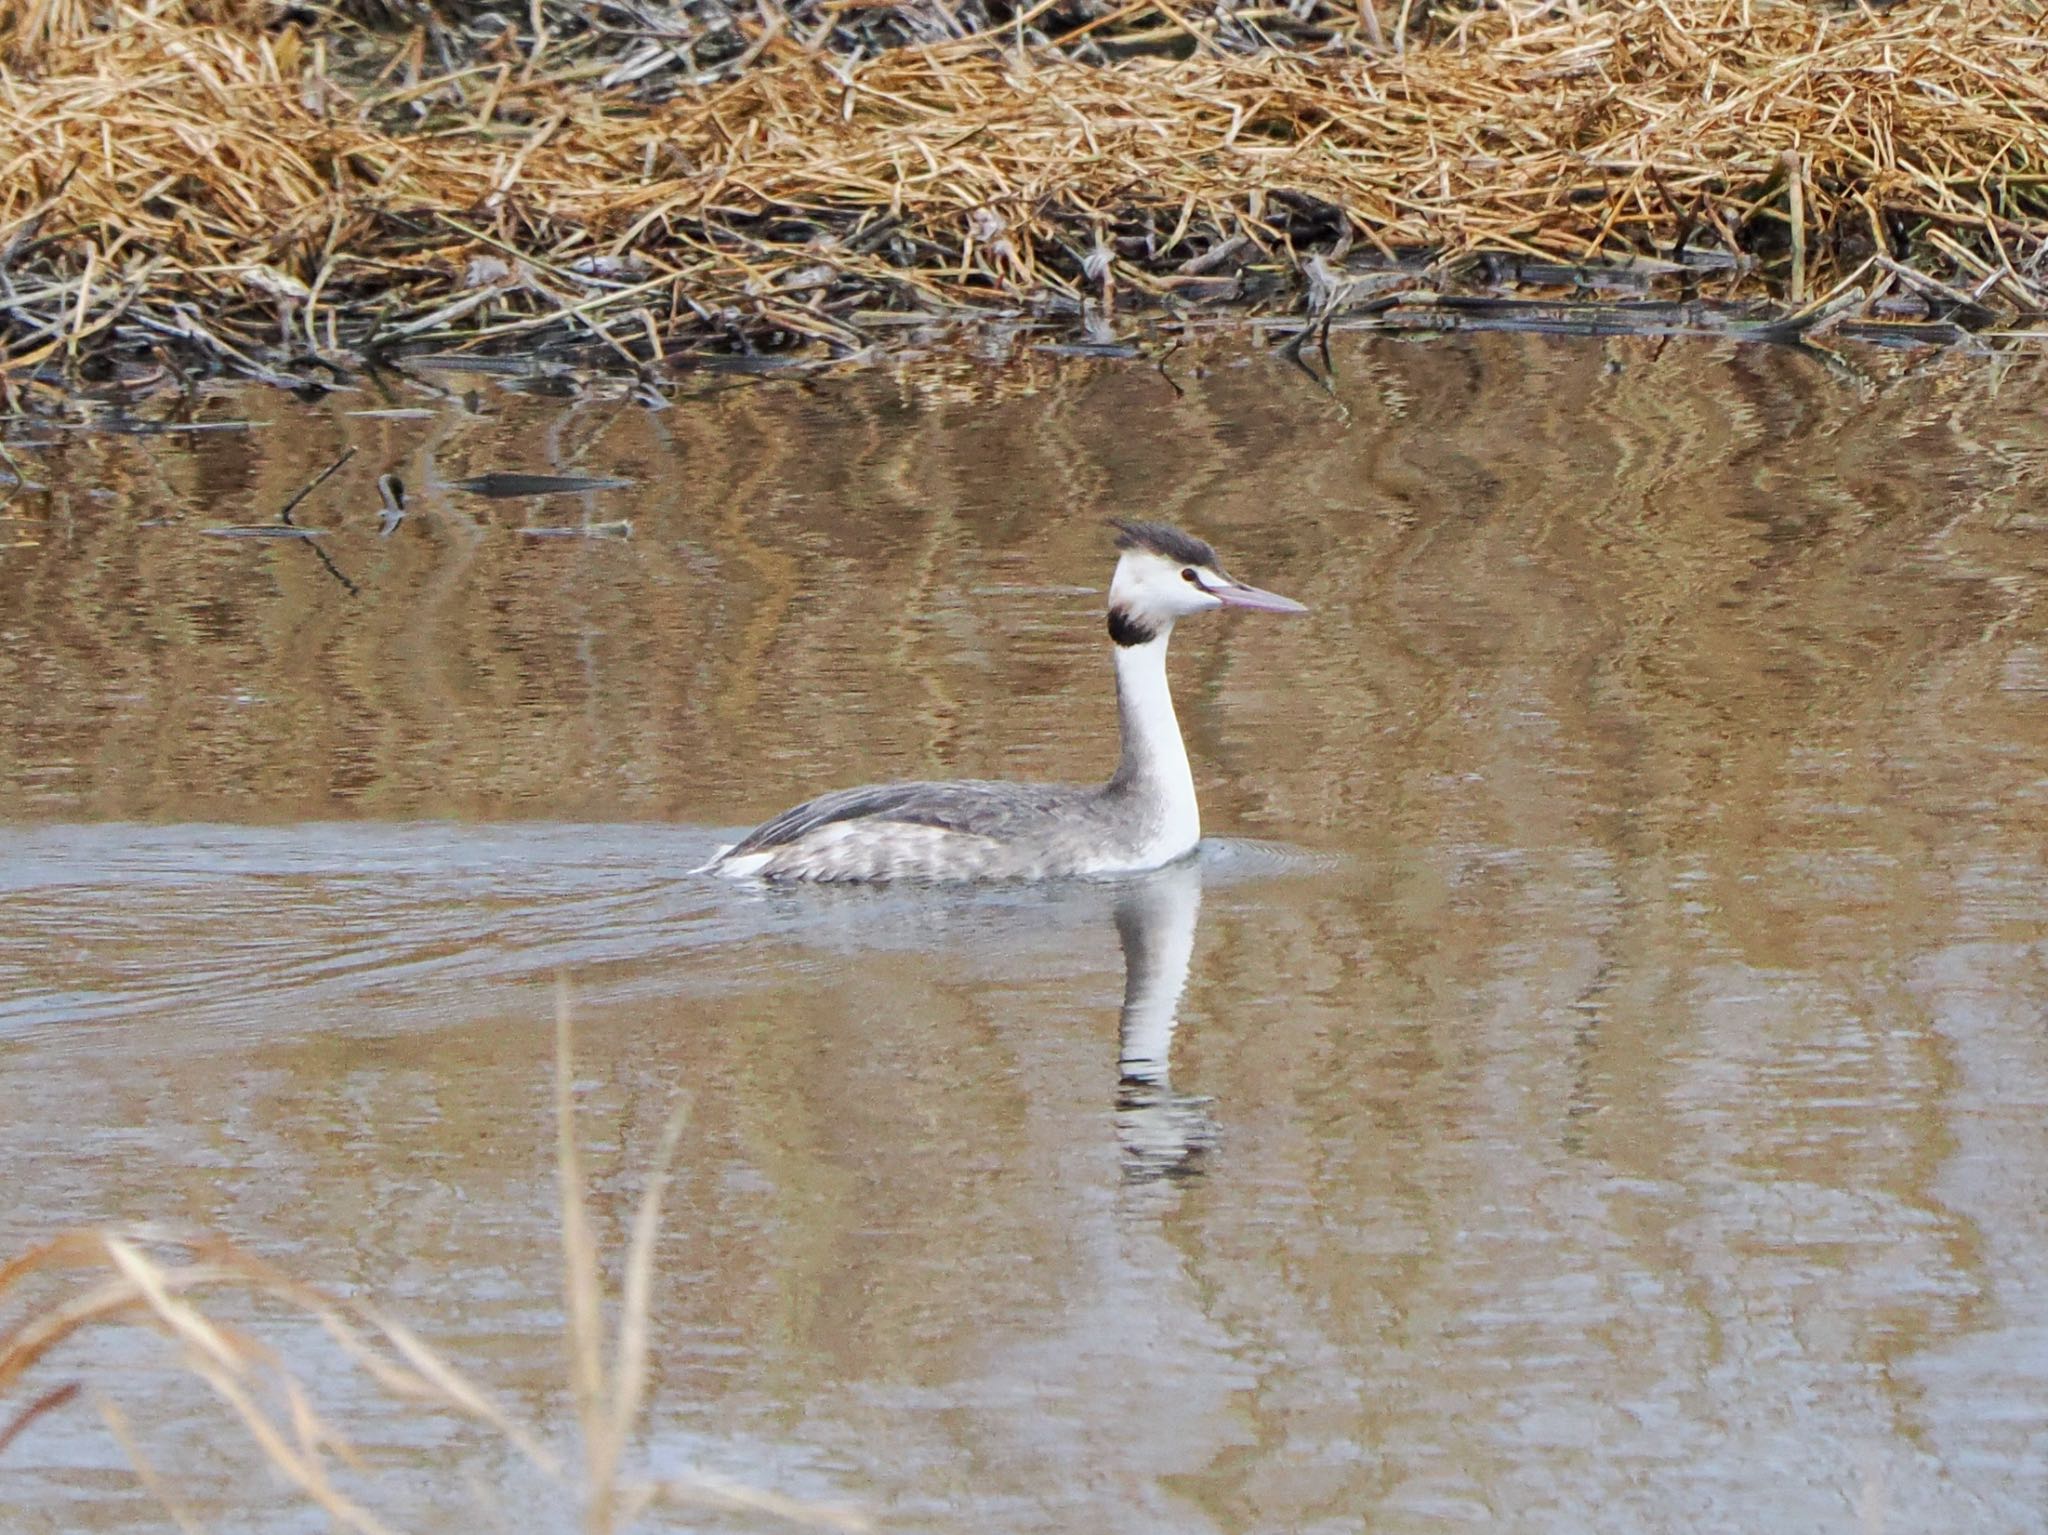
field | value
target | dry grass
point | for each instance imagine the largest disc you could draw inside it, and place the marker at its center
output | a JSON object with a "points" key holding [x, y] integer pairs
{"points": [[194, 170], [156, 1282]]}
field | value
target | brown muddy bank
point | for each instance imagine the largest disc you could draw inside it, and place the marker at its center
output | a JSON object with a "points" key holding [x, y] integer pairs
{"points": [[293, 192]]}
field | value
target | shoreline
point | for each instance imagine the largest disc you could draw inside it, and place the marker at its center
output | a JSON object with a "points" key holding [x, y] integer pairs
{"points": [[293, 195]]}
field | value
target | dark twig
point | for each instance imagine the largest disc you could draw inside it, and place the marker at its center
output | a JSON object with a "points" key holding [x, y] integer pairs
{"points": [[285, 516], [1172, 383], [333, 569]]}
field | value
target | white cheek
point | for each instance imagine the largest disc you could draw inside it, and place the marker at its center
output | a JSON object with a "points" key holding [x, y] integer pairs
{"points": [[1165, 592]]}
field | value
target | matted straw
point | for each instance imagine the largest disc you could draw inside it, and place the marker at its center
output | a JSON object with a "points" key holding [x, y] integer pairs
{"points": [[186, 171]]}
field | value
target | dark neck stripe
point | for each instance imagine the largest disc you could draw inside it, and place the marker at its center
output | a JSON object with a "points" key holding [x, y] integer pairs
{"points": [[1127, 630]]}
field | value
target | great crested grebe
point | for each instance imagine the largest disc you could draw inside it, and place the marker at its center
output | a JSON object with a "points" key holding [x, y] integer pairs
{"points": [[974, 829]]}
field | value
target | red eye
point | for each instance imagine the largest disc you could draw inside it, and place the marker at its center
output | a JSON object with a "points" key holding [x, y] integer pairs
{"points": [[1190, 577]]}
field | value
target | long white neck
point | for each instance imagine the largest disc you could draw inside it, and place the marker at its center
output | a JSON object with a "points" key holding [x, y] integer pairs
{"points": [[1155, 760]]}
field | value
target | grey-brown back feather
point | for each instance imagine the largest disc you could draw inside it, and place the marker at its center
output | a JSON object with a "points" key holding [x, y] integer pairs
{"points": [[976, 807]]}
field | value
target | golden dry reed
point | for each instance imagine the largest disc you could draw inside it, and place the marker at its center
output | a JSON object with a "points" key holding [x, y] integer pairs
{"points": [[200, 170], [157, 1282]]}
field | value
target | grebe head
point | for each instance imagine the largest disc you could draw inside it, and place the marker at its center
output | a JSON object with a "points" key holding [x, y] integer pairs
{"points": [[1165, 574]]}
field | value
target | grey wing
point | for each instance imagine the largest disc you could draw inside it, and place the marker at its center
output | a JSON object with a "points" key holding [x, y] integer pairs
{"points": [[982, 809]]}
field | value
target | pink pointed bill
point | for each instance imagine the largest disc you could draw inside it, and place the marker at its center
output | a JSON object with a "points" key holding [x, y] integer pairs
{"points": [[1238, 595]]}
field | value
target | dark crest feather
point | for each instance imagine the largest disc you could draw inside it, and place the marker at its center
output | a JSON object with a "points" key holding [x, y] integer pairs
{"points": [[1164, 540]]}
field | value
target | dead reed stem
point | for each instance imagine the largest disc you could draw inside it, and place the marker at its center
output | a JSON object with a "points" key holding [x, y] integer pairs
{"points": [[211, 171], [153, 1279], [609, 1393]]}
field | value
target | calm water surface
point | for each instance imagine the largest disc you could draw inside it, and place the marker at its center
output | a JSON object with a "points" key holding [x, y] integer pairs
{"points": [[1596, 1081]]}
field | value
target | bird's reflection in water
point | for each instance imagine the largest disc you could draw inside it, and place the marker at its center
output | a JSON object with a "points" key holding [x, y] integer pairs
{"points": [[1164, 1134]]}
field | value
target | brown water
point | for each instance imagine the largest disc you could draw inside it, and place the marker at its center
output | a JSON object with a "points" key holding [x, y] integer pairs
{"points": [[1610, 1089]]}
